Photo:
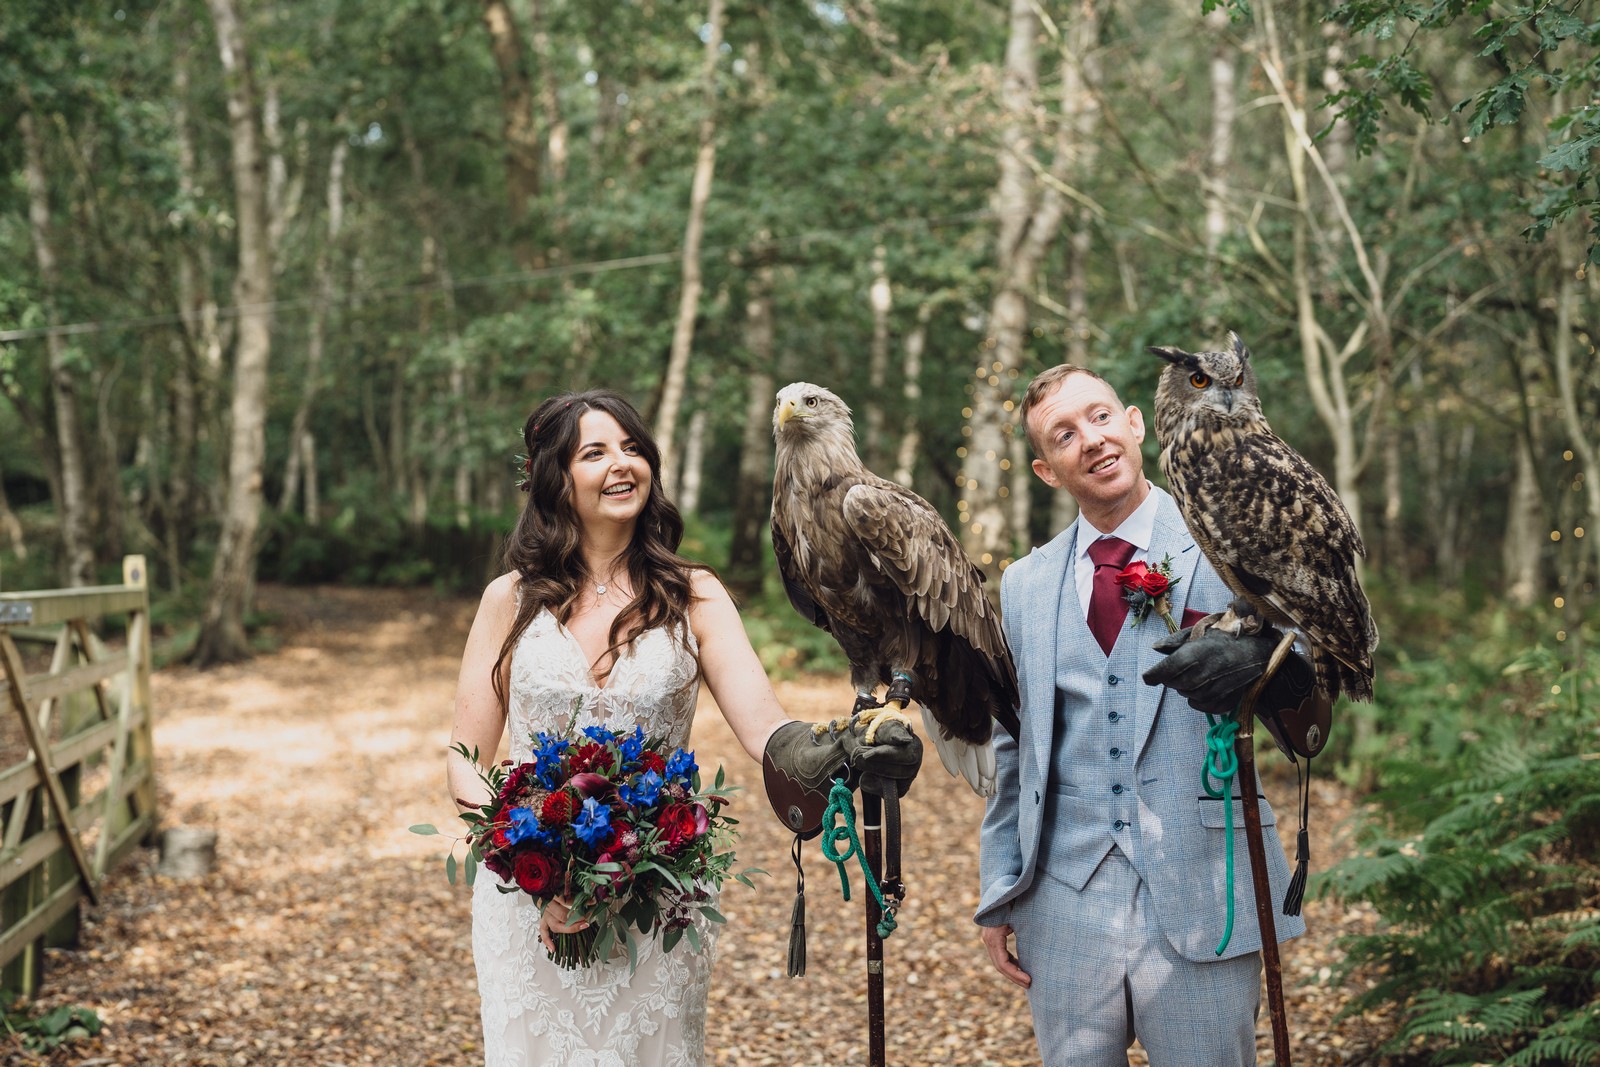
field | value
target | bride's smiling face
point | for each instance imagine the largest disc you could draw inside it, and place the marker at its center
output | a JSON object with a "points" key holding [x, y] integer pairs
{"points": [[610, 476]]}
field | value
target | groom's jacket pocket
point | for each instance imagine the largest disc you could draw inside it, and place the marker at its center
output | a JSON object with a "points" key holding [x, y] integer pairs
{"points": [[1211, 813]]}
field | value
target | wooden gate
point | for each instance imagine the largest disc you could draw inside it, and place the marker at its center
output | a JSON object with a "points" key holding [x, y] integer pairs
{"points": [[77, 775]]}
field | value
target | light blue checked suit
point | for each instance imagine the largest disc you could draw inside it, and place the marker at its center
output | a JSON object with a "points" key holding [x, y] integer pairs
{"points": [[1100, 848]]}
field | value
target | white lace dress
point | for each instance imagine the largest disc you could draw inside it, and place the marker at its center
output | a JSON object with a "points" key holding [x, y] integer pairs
{"points": [[536, 1014]]}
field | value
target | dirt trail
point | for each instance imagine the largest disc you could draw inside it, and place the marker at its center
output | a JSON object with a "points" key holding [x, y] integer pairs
{"points": [[328, 936]]}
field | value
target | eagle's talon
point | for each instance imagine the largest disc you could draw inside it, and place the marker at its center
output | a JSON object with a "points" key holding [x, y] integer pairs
{"points": [[877, 717]]}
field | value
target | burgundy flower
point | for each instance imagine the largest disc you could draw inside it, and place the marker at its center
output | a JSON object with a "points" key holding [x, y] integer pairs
{"points": [[652, 761], [680, 824], [590, 757], [589, 784], [536, 872], [559, 809]]}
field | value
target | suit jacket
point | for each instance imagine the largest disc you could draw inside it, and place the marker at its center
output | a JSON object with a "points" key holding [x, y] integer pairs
{"points": [[1176, 839]]}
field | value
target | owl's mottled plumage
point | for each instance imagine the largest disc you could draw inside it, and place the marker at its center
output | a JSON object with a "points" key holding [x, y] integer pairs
{"points": [[872, 563], [1269, 523]]}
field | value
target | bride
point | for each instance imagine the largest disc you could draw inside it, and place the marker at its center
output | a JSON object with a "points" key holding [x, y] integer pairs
{"points": [[598, 612]]}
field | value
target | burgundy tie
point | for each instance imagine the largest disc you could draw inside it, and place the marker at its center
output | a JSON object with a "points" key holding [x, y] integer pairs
{"points": [[1107, 609]]}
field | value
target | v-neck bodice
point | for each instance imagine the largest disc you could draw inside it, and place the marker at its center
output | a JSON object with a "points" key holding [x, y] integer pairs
{"points": [[654, 684]]}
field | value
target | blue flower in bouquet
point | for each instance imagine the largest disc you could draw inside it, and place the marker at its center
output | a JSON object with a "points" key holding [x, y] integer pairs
{"points": [[599, 734], [593, 823], [681, 765], [645, 793], [524, 824], [547, 752], [632, 746]]}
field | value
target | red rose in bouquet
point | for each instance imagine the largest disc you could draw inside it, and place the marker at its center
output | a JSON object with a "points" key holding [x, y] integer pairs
{"points": [[681, 823], [537, 873]]}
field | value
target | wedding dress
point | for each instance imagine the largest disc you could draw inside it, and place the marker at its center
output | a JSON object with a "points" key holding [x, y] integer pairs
{"points": [[538, 1014]]}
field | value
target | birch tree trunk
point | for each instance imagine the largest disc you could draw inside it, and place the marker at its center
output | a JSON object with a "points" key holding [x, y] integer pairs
{"points": [[677, 370], [916, 342], [1028, 220], [517, 127], [322, 278], [198, 366], [1525, 534], [222, 637], [73, 501], [694, 456], [752, 499], [1571, 384], [10, 526], [881, 299], [1224, 113]]}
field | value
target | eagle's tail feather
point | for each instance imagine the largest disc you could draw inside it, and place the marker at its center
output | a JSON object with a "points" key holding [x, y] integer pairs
{"points": [[963, 759]]}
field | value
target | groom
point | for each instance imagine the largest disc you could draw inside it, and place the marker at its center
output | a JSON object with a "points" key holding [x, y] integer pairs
{"points": [[1100, 852]]}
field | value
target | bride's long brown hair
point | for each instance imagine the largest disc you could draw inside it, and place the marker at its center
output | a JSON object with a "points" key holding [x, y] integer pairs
{"points": [[544, 547]]}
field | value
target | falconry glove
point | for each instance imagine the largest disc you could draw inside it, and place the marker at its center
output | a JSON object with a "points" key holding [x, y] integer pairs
{"points": [[893, 758], [799, 767], [1215, 670]]}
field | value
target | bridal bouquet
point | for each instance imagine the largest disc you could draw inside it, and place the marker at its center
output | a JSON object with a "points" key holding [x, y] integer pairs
{"points": [[617, 825]]}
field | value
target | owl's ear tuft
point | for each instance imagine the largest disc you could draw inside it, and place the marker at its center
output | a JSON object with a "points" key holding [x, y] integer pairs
{"points": [[1174, 355], [1238, 346]]}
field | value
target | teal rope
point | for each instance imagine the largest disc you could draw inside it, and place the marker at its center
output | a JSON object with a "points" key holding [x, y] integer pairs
{"points": [[841, 804], [1222, 763]]}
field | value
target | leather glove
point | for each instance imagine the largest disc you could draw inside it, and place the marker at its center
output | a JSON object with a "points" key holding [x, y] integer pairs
{"points": [[893, 758], [798, 768], [1215, 670]]}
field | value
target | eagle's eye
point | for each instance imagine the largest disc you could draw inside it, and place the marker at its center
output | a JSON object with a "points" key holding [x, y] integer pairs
{"points": [[1237, 382], [811, 401], [1199, 380]]}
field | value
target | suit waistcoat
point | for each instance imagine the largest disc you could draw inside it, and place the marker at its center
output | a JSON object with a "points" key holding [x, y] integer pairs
{"points": [[1093, 802]]}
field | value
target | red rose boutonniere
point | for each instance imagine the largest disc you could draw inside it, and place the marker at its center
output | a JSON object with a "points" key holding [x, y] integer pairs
{"points": [[1145, 587]]}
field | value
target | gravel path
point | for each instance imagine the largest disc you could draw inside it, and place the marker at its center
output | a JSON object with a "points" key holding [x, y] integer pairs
{"points": [[329, 937]]}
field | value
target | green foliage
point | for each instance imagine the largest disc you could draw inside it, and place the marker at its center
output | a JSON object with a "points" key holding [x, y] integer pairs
{"points": [[1521, 46], [1482, 857], [54, 1028]]}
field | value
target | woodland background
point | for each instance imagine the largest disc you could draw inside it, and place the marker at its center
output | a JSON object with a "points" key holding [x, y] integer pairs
{"points": [[280, 283]]}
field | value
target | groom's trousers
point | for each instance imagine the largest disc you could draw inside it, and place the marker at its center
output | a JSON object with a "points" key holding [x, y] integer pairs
{"points": [[1104, 973]]}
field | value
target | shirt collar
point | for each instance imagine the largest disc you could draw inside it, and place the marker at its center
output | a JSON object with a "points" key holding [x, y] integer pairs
{"points": [[1138, 529]]}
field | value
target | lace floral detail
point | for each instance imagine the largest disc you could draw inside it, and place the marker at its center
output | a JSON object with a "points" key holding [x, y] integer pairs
{"points": [[536, 1013]]}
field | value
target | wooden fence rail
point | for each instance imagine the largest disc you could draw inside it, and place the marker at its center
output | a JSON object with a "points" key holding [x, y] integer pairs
{"points": [[77, 773]]}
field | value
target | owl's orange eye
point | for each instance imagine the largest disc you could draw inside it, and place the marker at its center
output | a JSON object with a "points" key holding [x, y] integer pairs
{"points": [[1199, 380], [1239, 380]]}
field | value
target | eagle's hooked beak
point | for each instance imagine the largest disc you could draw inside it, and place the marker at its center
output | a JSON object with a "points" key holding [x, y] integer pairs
{"points": [[786, 411]]}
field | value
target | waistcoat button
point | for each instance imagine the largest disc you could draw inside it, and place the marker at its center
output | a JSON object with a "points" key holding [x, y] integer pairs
{"points": [[1119, 825], [1113, 680], [1117, 789], [1116, 753]]}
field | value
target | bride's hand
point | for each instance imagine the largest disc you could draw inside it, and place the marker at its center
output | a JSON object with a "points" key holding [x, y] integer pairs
{"points": [[553, 920]]}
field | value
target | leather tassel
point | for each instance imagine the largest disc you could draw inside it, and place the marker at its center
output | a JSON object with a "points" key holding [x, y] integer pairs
{"points": [[797, 918], [1297, 884], [797, 937]]}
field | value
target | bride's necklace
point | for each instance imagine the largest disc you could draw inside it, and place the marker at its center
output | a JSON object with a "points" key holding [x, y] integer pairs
{"points": [[601, 587]]}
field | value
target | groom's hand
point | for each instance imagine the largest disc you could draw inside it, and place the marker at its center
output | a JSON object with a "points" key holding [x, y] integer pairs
{"points": [[995, 939]]}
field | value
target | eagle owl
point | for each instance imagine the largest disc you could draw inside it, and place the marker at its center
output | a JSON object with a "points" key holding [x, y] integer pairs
{"points": [[1269, 523]]}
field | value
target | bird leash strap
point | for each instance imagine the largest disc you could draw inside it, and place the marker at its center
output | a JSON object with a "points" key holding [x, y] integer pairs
{"points": [[1222, 764], [841, 806]]}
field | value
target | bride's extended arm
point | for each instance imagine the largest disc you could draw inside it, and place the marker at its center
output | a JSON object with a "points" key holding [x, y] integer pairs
{"points": [[479, 718], [734, 675]]}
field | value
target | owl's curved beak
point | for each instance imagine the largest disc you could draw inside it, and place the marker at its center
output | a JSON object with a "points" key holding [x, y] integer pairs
{"points": [[1228, 397]]}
